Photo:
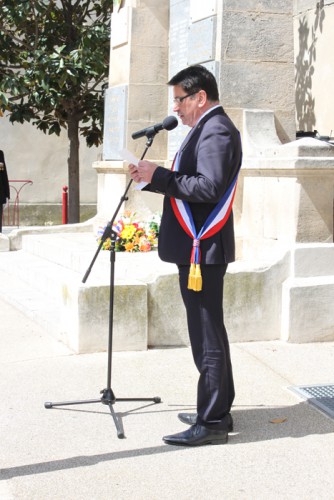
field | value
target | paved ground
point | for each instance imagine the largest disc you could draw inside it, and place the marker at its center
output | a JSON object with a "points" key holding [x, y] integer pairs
{"points": [[73, 452]]}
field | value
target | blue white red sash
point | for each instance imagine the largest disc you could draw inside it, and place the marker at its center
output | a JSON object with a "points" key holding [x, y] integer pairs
{"points": [[214, 223]]}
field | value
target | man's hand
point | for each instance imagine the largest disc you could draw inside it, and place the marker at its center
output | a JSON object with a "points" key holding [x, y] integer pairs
{"points": [[133, 169], [144, 171]]}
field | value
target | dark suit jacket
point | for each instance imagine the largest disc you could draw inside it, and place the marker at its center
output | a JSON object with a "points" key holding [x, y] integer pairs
{"points": [[210, 159], [4, 186]]}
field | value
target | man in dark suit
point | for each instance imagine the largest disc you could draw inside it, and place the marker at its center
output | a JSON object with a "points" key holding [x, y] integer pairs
{"points": [[4, 186], [204, 173]]}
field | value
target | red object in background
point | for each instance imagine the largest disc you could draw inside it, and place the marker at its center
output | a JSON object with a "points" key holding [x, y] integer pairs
{"points": [[11, 214], [64, 205]]}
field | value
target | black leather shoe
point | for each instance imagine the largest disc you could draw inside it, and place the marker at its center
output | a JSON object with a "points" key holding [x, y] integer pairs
{"points": [[197, 435], [191, 419]]}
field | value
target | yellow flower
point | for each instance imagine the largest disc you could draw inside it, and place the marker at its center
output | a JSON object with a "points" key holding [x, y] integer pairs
{"points": [[128, 232], [134, 236], [107, 244]]}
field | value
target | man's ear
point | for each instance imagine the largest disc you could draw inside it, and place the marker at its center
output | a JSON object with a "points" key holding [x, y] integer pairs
{"points": [[202, 98]]}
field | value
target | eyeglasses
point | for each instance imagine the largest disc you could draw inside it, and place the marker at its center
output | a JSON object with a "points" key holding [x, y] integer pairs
{"points": [[178, 100]]}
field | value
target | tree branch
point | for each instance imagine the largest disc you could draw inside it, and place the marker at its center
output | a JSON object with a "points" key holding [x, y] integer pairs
{"points": [[11, 34]]}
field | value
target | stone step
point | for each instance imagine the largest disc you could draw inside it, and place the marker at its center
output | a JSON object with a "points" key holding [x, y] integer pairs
{"points": [[75, 251], [38, 288], [40, 307], [44, 280], [71, 250]]}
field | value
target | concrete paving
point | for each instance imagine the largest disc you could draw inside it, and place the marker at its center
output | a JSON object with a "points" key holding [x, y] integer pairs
{"points": [[74, 453]]}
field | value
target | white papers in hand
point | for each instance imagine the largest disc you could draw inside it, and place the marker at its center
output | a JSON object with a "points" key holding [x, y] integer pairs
{"points": [[130, 158]]}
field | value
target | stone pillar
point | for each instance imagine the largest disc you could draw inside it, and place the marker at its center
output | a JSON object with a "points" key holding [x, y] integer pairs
{"points": [[285, 205], [285, 191], [257, 61], [136, 97], [249, 48]]}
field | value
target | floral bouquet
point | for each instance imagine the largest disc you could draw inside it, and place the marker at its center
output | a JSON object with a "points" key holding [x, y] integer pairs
{"points": [[133, 235]]}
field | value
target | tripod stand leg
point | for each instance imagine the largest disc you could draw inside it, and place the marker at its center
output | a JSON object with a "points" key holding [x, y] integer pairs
{"points": [[109, 402], [156, 399], [108, 398], [118, 422], [48, 404]]}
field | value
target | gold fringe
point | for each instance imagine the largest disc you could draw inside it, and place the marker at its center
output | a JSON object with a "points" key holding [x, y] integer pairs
{"points": [[191, 276], [195, 278]]}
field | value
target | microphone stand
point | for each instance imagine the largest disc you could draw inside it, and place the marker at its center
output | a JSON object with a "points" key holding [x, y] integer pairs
{"points": [[108, 397]]}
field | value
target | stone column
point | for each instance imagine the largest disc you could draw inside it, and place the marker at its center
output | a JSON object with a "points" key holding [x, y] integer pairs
{"points": [[285, 197], [257, 61], [136, 98]]}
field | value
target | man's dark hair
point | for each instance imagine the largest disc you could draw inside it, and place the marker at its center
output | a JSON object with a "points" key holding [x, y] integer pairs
{"points": [[196, 78]]}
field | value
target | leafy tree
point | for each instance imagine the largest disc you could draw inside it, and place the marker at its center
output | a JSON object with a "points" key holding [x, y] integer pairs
{"points": [[54, 57]]}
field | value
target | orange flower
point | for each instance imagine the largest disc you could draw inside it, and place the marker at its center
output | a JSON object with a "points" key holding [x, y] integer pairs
{"points": [[144, 246], [133, 236], [129, 246]]}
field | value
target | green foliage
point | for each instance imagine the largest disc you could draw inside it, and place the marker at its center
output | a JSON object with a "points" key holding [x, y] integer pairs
{"points": [[54, 57]]}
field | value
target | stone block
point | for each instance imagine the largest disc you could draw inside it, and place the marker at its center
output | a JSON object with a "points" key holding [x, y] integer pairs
{"points": [[85, 317], [150, 21], [166, 313], [259, 85], [285, 125], [120, 64], [17, 235], [315, 217], [4, 243], [147, 102], [252, 301], [148, 65], [273, 6], [310, 260], [307, 309], [110, 190], [287, 209], [259, 131], [287, 189], [271, 37]]}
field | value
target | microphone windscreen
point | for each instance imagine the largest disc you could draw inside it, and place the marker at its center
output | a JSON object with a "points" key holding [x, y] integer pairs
{"points": [[170, 123]]}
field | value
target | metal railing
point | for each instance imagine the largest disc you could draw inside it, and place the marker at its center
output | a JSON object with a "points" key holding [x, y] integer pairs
{"points": [[11, 214]]}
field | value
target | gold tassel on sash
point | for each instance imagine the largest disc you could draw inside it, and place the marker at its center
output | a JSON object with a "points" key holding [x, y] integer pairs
{"points": [[191, 276], [195, 278]]}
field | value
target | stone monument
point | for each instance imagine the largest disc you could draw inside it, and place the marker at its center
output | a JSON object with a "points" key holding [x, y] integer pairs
{"points": [[283, 208], [282, 284]]}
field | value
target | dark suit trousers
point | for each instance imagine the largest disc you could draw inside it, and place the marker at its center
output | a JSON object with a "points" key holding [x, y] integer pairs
{"points": [[209, 343]]}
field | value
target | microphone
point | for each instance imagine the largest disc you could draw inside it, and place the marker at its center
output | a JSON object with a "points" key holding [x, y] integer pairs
{"points": [[169, 123]]}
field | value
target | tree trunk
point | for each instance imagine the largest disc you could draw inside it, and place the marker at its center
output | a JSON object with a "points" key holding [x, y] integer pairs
{"points": [[73, 171]]}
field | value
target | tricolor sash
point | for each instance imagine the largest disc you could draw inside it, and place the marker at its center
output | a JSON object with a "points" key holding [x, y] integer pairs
{"points": [[214, 223]]}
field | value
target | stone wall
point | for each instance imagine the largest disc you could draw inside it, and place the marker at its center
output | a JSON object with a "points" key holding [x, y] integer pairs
{"points": [[248, 46], [257, 60], [314, 71]]}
